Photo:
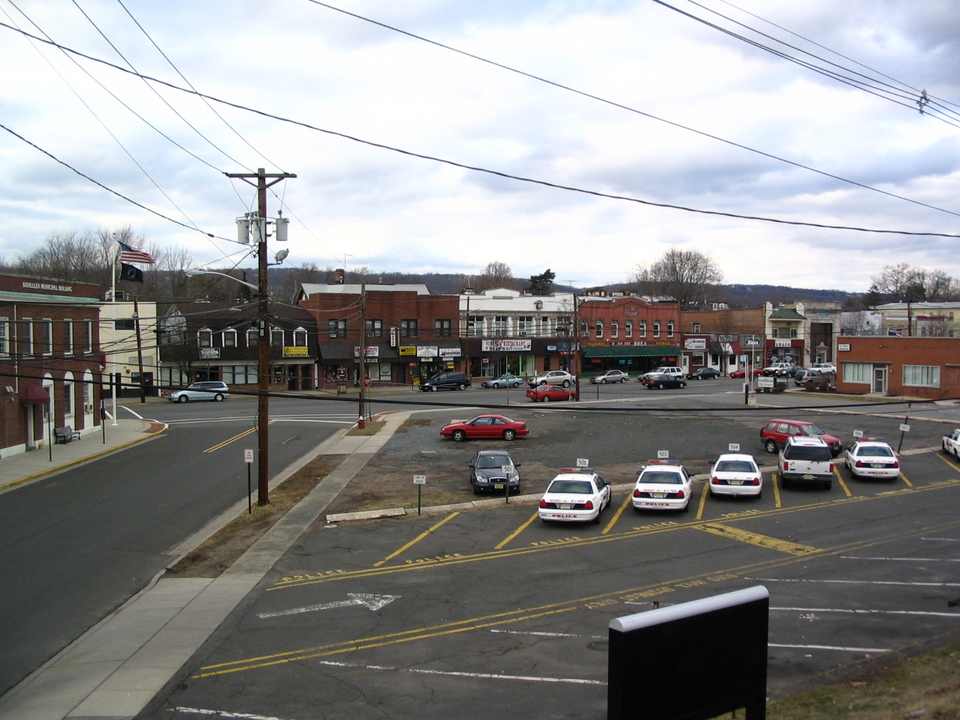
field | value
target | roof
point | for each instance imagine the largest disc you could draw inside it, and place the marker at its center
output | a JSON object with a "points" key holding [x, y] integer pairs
{"points": [[786, 314], [308, 289]]}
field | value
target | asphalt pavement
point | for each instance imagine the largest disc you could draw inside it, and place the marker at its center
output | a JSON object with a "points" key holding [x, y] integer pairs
{"points": [[116, 668]]}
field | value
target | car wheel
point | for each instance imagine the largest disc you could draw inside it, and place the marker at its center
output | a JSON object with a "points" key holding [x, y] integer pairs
{"points": [[683, 385], [770, 446], [570, 396], [509, 434], [461, 386], [459, 436], [827, 484], [182, 399], [566, 383], [685, 508], [218, 397], [546, 398], [603, 381], [433, 388], [661, 386]]}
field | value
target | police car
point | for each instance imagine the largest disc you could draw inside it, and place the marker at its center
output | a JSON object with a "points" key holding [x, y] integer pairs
{"points": [[872, 458], [662, 485], [575, 496]]}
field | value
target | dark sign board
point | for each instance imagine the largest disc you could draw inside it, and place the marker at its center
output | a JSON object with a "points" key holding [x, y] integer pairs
{"points": [[692, 661]]}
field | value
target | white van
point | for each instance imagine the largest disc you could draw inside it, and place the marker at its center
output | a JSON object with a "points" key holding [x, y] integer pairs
{"points": [[806, 460]]}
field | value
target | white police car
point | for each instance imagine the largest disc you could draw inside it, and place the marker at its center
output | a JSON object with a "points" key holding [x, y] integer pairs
{"points": [[575, 496], [662, 485]]}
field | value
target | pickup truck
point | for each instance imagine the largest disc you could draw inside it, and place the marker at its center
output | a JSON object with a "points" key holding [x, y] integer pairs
{"points": [[951, 443]]}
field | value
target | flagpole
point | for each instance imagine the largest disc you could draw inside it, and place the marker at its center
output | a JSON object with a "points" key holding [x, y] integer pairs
{"points": [[113, 303]]}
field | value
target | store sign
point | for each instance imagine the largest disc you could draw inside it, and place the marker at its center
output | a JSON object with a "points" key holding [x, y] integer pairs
{"points": [[695, 344], [410, 350], [427, 351], [450, 352], [291, 351], [209, 353], [373, 351], [778, 342], [505, 345]]}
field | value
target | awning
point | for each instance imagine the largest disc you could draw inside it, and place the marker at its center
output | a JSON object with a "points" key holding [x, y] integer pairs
{"points": [[34, 395], [725, 348], [625, 351]]}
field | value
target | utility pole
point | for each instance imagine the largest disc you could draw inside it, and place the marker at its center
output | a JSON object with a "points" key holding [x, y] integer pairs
{"points": [[136, 320], [361, 423], [260, 180]]}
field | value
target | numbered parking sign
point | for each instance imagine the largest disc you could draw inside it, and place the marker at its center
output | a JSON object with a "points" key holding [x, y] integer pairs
{"points": [[583, 462], [663, 454], [733, 447]]}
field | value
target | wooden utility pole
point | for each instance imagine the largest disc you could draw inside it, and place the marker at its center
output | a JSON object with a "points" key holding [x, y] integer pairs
{"points": [[259, 180]]}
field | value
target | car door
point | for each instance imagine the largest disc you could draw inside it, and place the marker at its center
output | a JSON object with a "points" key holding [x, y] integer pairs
{"points": [[493, 428]]}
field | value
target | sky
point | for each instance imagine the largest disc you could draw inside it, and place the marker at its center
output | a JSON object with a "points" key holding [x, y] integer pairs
{"points": [[584, 137]]}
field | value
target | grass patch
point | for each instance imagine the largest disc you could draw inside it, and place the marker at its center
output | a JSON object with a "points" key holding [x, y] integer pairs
{"points": [[371, 428]]}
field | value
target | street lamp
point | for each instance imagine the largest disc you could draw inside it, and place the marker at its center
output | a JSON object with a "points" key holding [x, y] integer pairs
{"points": [[194, 273]]}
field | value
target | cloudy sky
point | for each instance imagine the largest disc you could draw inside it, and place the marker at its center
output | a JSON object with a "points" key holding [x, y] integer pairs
{"points": [[439, 135]]}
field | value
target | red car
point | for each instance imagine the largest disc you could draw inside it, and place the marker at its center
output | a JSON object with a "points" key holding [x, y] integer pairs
{"points": [[485, 426], [742, 372], [546, 393], [774, 435]]}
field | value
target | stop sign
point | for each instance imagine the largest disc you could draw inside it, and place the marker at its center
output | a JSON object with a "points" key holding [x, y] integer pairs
{"points": [[366, 381]]}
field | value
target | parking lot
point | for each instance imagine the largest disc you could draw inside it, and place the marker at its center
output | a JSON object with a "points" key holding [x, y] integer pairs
{"points": [[468, 613]]}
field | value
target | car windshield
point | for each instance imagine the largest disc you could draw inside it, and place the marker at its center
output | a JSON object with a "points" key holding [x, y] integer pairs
{"points": [[875, 451], [800, 452], [811, 430], [735, 466], [493, 461], [571, 487], [662, 478]]}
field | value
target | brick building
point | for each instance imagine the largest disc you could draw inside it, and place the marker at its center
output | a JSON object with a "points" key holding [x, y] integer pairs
{"points": [[50, 360], [921, 367], [628, 333]]}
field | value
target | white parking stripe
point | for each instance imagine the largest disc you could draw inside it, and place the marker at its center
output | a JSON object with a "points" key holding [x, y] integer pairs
{"points": [[829, 647], [452, 673], [858, 582], [843, 611]]}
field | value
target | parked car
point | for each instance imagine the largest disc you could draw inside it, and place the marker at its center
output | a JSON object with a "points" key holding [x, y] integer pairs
{"points": [[506, 380], [553, 377], [814, 379], [548, 393], [736, 474], [774, 435], [806, 460], [446, 381], [872, 458], [664, 380], [494, 470], [664, 370], [742, 372], [662, 485], [951, 443], [484, 426], [215, 390], [610, 376], [575, 496], [825, 367], [704, 373], [779, 369]]}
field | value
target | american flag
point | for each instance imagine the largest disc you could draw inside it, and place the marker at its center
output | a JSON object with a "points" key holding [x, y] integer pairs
{"points": [[129, 255]]}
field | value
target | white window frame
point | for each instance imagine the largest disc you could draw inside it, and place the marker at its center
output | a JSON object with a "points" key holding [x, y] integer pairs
{"points": [[860, 373], [927, 376]]}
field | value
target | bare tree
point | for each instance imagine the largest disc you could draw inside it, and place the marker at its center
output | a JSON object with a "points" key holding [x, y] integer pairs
{"points": [[903, 283], [684, 275], [495, 275]]}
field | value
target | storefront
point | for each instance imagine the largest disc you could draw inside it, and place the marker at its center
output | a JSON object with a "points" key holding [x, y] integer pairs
{"points": [[630, 358]]}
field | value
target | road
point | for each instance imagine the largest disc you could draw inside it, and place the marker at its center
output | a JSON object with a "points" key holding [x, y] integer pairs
{"points": [[76, 545], [486, 612]]}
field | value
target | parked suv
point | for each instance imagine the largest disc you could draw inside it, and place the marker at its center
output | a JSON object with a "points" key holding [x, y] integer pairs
{"points": [[775, 433], [662, 371], [806, 460], [553, 377], [446, 381]]}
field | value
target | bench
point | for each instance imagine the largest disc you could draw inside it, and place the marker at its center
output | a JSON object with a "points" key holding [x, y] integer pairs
{"points": [[65, 434]]}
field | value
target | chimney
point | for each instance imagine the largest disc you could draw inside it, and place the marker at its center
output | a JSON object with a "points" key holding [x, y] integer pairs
{"points": [[338, 276]]}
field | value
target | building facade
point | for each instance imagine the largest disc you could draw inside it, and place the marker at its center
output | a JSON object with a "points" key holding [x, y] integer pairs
{"points": [[628, 333], [924, 367], [50, 360]]}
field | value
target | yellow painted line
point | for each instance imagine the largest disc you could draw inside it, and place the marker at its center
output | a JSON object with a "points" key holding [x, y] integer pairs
{"points": [[777, 499], [703, 499], [951, 463], [417, 539], [234, 438], [764, 541], [509, 538], [846, 490], [904, 478], [616, 516]]}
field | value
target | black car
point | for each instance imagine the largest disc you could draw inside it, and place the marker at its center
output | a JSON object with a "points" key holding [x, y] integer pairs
{"points": [[664, 380], [492, 470], [704, 373], [446, 381]]}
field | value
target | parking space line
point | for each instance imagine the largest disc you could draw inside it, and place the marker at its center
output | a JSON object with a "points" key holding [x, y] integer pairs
{"points": [[516, 532], [475, 675], [764, 541], [703, 499], [777, 499], [421, 536], [846, 490], [616, 516], [905, 479], [948, 462]]}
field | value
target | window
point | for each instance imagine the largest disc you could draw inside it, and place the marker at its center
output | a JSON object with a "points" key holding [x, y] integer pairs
{"points": [[599, 329], [26, 343], [300, 337], [696, 327], [276, 337], [205, 337], [252, 336], [584, 329], [501, 325], [643, 328], [628, 328], [409, 329], [475, 325], [374, 328], [4, 337], [442, 328], [525, 325], [229, 338], [336, 328], [669, 328], [68, 395], [656, 328], [921, 375], [614, 328], [545, 327], [125, 324], [67, 340], [854, 372]]}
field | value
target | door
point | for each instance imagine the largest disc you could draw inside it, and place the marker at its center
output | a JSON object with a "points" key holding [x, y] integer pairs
{"points": [[880, 379]]}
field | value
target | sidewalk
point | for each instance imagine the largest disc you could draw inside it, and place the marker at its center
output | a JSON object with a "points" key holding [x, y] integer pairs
{"points": [[117, 667]]}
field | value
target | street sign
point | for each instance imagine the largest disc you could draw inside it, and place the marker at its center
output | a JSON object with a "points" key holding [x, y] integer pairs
{"points": [[366, 381], [419, 479], [248, 455], [583, 462]]}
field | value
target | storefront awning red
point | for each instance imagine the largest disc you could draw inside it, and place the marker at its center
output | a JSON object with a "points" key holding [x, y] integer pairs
{"points": [[34, 395]]}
